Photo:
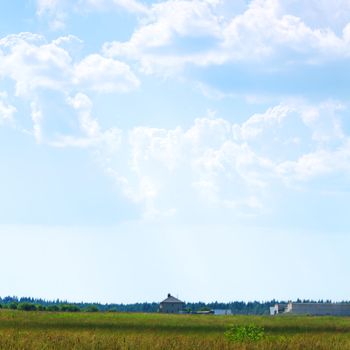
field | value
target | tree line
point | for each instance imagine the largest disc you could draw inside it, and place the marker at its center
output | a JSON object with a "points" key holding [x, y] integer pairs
{"points": [[237, 307]]}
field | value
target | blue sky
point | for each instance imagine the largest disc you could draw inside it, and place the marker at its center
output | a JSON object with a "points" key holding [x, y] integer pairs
{"points": [[197, 147]]}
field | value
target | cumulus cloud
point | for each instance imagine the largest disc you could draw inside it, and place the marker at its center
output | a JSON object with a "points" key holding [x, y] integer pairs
{"points": [[37, 67], [213, 162], [175, 33], [104, 75], [318, 163], [265, 29], [154, 41], [218, 164], [31, 63], [204, 162]]}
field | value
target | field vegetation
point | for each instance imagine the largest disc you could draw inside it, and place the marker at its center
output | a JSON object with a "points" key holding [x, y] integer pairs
{"points": [[109, 330]]}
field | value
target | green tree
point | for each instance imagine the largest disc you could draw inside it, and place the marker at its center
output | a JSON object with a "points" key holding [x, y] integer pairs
{"points": [[91, 308], [53, 308], [13, 306]]}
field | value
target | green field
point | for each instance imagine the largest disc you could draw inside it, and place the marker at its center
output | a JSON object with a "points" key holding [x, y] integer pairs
{"points": [[45, 330]]}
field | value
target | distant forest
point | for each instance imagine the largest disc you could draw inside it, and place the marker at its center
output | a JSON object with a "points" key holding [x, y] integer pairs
{"points": [[237, 307]]}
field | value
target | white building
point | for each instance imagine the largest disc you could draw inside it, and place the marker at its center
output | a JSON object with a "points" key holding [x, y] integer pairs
{"points": [[221, 312], [278, 309], [314, 309]]}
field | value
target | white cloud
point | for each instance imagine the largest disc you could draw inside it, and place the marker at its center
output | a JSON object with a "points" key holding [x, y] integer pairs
{"points": [[104, 75], [317, 164], [258, 123], [58, 11], [165, 22], [264, 30], [213, 163], [217, 165], [46, 5], [7, 111], [90, 134], [324, 121], [37, 117], [171, 170], [38, 68], [320, 13], [55, 11], [33, 64], [83, 105], [175, 33], [129, 5]]}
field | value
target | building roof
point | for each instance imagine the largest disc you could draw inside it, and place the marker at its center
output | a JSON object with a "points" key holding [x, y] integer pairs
{"points": [[315, 303], [171, 299]]}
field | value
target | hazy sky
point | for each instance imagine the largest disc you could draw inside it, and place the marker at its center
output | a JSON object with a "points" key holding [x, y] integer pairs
{"points": [[197, 147]]}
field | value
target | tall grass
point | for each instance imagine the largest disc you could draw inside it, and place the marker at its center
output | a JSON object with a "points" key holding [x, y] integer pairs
{"points": [[35, 330]]}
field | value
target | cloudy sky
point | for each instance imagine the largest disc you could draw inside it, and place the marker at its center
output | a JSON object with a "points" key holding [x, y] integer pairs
{"points": [[198, 147]]}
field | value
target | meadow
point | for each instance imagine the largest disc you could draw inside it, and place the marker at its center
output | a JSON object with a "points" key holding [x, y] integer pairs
{"points": [[63, 330]]}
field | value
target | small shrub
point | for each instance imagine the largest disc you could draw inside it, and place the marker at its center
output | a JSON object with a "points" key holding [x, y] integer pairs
{"points": [[250, 333]]}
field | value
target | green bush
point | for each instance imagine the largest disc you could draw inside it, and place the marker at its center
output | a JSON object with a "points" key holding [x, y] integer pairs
{"points": [[41, 307], [26, 307], [53, 308], [70, 308], [250, 333]]}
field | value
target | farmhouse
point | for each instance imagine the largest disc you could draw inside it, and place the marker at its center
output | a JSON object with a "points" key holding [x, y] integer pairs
{"points": [[315, 309], [171, 305]]}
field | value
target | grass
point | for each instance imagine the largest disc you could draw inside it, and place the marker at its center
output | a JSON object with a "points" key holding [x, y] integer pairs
{"points": [[45, 330]]}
